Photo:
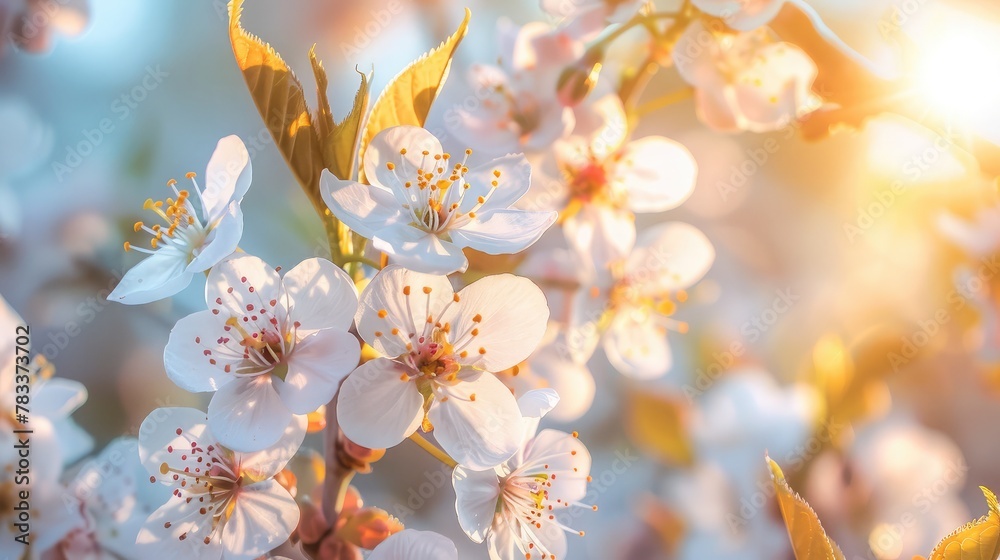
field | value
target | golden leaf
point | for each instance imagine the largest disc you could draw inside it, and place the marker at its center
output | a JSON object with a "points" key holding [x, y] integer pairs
{"points": [[279, 99], [809, 540], [341, 145], [977, 540], [408, 97], [657, 423]]}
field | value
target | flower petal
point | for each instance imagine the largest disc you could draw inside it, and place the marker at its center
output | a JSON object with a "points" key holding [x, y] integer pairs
{"points": [[658, 173], [159, 432], [502, 232], [400, 299], [56, 398], [260, 465], [478, 424], [227, 177], [603, 235], [223, 240], [636, 346], [410, 544], [386, 147], [418, 250], [476, 494], [321, 295], [512, 183], [376, 408], [246, 289], [565, 457], [185, 357], [498, 333], [161, 535], [669, 257], [158, 276], [363, 208], [316, 367], [248, 414], [263, 517]]}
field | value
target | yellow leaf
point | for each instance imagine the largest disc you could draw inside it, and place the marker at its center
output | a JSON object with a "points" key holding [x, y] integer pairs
{"points": [[978, 540], [809, 540], [341, 145], [408, 97], [280, 101], [657, 423]]}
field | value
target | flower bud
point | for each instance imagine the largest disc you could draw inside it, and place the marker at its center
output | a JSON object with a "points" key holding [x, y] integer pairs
{"points": [[578, 80], [357, 457], [368, 527]]}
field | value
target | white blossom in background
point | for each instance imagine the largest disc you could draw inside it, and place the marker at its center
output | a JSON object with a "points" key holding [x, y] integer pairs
{"points": [[516, 107], [600, 180], [585, 19], [741, 15], [440, 352], [423, 207], [185, 242], [630, 308], [270, 347], [224, 504], [410, 544], [515, 507], [745, 81]]}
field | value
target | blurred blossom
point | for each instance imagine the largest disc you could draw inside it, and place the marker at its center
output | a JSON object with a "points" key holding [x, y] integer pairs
{"points": [[25, 141], [744, 81], [30, 24], [514, 106], [585, 19], [741, 15], [415, 545]]}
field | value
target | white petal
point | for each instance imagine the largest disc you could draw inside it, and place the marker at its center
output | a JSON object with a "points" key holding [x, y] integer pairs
{"points": [[501, 232], [385, 148], [316, 367], [476, 494], [158, 432], [637, 347], [534, 405], [669, 257], [508, 328], [565, 458], [184, 357], [410, 544], [248, 414], [156, 540], [773, 90], [223, 240], [418, 250], [264, 516], [487, 127], [266, 463], [605, 235], [658, 174], [57, 398], [247, 289], [513, 182], [365, 209], [482, 433], [227, 177], [376, 408], [386, 294], [571, 379], [322, 295], [158, 276]]}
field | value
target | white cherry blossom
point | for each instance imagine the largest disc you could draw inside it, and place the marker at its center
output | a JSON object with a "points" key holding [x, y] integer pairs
{"points": [[224, 504], [745, 81], [441, 350], [515, 507], [585, 19], [741, 15], [423, 207], [269, 347], [185, 242]]}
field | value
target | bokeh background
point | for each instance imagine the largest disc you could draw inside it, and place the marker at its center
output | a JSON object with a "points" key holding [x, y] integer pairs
{"points": [[834, 260]]}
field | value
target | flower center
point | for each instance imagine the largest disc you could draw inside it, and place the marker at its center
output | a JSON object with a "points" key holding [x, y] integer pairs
{"points": [[181, 229], [436, 191], [588, 182]]}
